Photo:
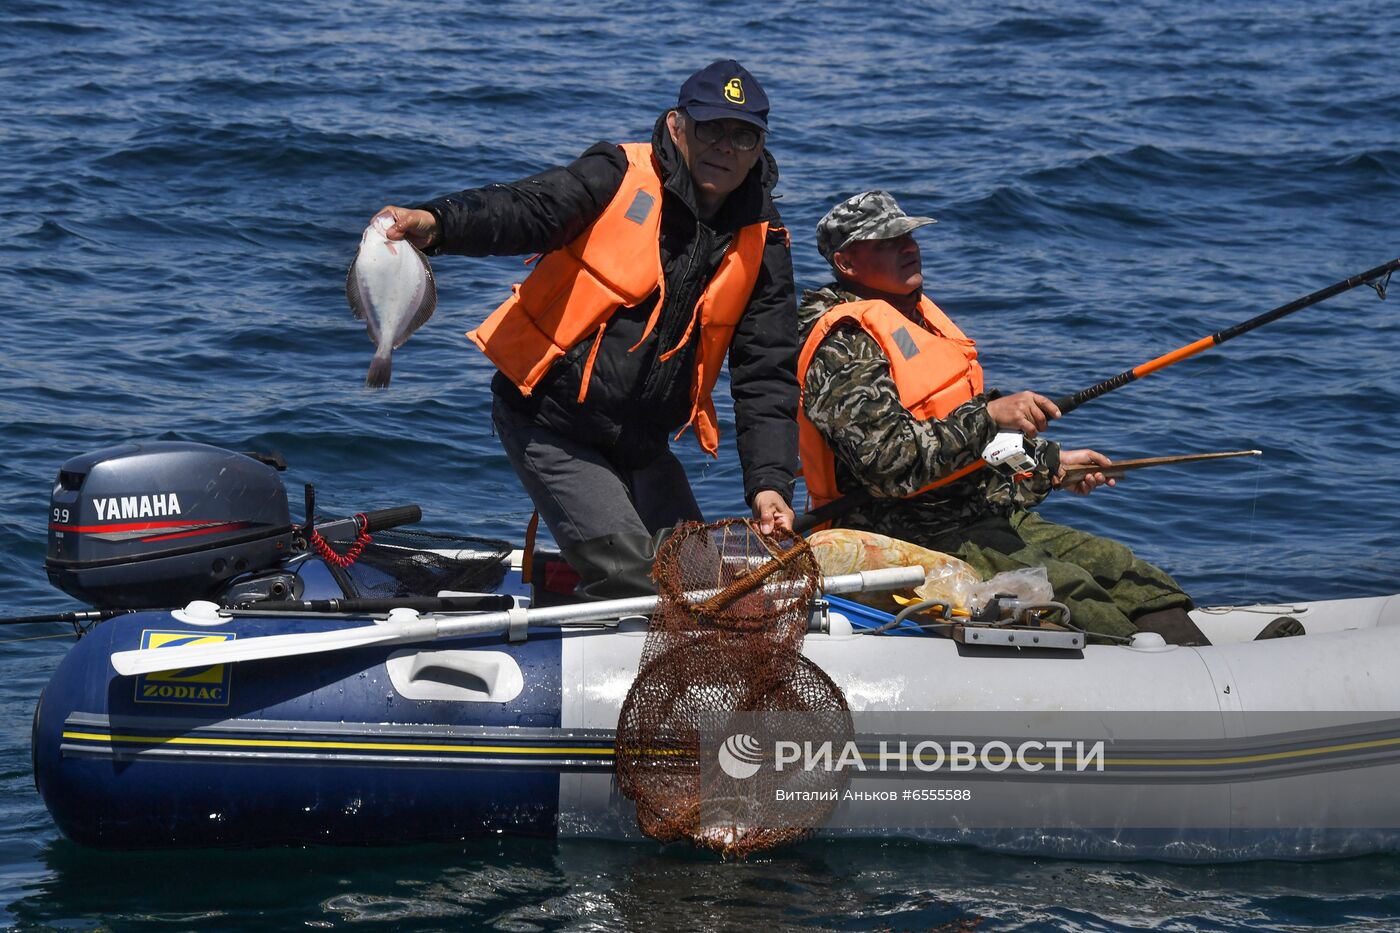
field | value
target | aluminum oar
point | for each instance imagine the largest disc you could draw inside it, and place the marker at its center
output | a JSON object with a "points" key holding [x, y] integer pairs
{"points": [[431, 628]]}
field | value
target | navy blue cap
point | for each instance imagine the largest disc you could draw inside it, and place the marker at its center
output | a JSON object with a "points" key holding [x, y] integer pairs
{"points": [[724, 90]]}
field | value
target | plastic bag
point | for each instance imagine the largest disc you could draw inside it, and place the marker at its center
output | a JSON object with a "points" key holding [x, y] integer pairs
{"points": [[1031, 585], [844, 550]]}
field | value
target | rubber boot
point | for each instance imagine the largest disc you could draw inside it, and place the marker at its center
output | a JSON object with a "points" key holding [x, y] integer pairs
{"points": [[613, 566], [1174, 625]]}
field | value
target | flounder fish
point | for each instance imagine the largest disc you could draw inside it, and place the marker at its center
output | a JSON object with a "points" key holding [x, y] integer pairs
{"points": [[390, 287]]}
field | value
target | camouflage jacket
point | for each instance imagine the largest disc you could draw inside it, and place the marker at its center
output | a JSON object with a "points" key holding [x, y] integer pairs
{"points": [[878, 445]]}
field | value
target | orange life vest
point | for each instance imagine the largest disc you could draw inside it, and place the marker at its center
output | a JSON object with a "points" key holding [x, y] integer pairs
{"points": [[616, 263], [934, 370]]}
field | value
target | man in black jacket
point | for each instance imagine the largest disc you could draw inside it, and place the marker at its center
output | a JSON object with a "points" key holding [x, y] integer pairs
{"points": [[590, 440]]}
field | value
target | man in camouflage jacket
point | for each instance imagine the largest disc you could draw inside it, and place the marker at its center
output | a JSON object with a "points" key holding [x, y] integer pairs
{"points": [[878, 445]]}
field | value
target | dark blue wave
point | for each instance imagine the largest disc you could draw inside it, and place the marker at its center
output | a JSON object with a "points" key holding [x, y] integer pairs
{"points": [[183, 191]]}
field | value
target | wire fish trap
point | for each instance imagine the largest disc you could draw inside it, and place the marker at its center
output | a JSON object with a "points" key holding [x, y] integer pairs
{"points": [[726, 638]]}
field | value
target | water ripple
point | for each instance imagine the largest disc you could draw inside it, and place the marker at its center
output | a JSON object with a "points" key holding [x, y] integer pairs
{"points": [[183, 191]]}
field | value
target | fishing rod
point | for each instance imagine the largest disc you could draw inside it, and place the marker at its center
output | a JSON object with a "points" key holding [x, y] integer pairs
{"points": [[86, 615], [1119, 467], [360, 525], [315, 608], [1372, 277], [1069, 403]]}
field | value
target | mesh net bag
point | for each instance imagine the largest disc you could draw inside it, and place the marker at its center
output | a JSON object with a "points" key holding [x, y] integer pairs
{"points": [[726, 637], [421, 563]]}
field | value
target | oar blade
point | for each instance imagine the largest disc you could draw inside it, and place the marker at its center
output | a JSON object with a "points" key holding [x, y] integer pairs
{"points": [[150, 660]]}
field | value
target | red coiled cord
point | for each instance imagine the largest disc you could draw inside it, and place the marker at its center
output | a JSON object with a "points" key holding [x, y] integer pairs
{"points": [[323, 547]]}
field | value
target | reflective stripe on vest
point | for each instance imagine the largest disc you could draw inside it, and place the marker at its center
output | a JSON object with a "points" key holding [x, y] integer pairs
{"points": [[934, 372], [616, 263]]}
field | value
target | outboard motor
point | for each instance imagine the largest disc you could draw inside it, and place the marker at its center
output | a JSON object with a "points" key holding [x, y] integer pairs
{"points": [[162, 523]]}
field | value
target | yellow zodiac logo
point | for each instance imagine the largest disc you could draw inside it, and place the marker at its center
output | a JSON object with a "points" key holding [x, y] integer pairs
{"points": [[734, 91], [193, 686]]}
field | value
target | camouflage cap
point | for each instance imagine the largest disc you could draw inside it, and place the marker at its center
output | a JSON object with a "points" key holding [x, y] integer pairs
{"points": [[872, 215]]}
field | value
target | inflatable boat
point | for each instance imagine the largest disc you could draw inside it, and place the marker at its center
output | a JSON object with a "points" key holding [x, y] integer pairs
{"points": [[500, 717]]}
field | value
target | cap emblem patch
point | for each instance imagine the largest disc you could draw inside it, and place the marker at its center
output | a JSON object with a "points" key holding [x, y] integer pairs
{"points": [[734, 91]]}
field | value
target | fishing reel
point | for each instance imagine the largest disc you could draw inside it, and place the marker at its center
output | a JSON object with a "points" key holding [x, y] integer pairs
{"points": [[1007, 452]]}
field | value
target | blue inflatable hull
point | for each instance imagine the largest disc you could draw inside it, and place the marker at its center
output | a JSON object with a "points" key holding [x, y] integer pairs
{"points": [[1284, 748], [295, 751]]}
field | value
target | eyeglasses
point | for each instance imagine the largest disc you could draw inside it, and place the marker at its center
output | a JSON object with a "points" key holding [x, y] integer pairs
{"points": [[742, 137]]}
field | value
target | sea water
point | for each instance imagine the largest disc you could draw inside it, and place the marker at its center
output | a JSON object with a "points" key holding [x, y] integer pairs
{"points": [[184, 186]]}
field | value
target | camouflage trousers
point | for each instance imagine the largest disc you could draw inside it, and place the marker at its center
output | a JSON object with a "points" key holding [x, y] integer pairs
{"points": [[1102, 583]]}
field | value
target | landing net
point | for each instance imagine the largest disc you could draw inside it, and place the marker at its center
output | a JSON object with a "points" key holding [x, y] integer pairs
{"points": [[726, 637]]}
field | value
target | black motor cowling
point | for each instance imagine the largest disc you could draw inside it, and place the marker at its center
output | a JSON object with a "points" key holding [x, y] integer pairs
{"points": [[161, 523]]}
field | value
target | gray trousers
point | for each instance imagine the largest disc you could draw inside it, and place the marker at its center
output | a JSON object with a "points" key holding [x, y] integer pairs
{"points": [[582, 496]]}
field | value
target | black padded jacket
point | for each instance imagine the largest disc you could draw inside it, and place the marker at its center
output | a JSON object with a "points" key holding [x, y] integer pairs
{"points": [[636, 401]]}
